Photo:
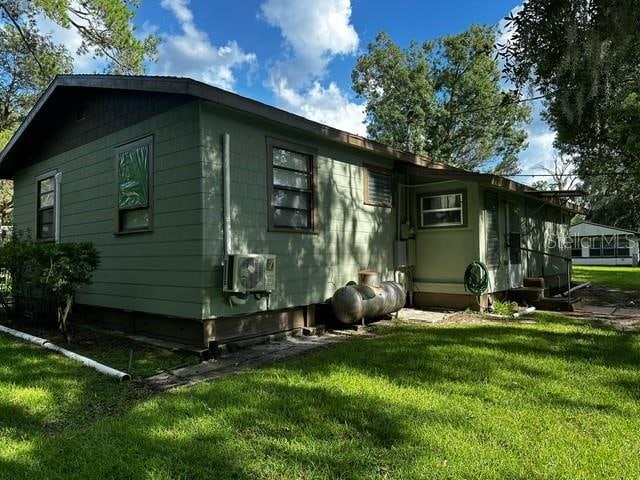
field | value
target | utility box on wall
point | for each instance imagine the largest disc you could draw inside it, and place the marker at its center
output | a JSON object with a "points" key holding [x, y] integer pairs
{"points": [[404, 253], [400, 253]]}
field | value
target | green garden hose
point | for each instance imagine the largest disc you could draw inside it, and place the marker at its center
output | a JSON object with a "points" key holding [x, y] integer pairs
{"points": [[476, 278]]}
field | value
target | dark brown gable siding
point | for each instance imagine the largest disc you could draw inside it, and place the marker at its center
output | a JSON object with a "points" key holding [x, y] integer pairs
{"points": [[76, 117]]}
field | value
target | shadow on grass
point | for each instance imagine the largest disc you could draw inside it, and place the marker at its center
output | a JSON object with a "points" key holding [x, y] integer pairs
{"points": [[355, 410]]}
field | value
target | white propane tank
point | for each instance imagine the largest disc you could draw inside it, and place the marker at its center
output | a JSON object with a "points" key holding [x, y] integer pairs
{"points": [[354, 303]]}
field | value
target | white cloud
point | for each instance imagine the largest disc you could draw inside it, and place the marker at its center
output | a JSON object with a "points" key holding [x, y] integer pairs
{"points": [[504, 32], [314, 32], [192, 54], [325, 105], [540, 152]]}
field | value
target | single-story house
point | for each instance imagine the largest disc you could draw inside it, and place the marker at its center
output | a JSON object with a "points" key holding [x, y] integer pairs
{"points": [[218, 217], [595, 244]]}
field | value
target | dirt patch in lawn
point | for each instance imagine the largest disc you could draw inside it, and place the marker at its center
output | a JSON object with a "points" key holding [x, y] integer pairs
{"points": [[603, 295]]}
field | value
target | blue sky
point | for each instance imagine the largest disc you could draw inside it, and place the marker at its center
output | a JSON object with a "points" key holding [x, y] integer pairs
{"points": [[298, 54]]}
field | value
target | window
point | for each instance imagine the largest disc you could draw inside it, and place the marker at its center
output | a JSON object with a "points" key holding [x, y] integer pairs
{"points": [[492, 229], [576, 247], [378, 187], [134, 163], [442, 210], [609, 246], [623, 247], [47, 209], [513, 218], [595, 247], [292, 187]]}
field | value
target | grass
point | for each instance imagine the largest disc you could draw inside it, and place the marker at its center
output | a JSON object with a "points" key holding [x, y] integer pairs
{"points": [[624, 278], [114, 351], [556, 399]]}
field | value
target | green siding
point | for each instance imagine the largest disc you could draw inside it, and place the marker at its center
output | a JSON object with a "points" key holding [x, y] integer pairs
{"points": [[443, 253], [157, 272], [540, 224], [310, 267]]}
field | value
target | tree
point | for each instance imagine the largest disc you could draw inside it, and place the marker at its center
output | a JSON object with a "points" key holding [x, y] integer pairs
{"points": [[583, 57], [443, 99], [29, 59], [562, 174]]}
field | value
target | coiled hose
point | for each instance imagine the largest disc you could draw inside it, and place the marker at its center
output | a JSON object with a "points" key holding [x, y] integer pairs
{"points": [[476, 278]]}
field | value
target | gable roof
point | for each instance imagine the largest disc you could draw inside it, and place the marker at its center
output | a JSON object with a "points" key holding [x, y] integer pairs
{"points": [[196, 89], [604, 227]]}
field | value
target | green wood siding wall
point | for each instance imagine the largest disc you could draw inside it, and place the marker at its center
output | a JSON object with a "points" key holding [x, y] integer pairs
{"points": [[542, 227], [157, 272], [310, 267], [443, 253]]}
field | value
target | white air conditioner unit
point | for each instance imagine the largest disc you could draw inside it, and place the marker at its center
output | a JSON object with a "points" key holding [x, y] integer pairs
{"points": [[249, 273]]}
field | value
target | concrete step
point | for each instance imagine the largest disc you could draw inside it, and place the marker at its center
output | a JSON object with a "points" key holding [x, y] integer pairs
{"points": [[526, 295]]}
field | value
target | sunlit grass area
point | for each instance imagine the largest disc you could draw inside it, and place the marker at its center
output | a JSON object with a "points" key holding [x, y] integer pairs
{"points": [[556, 399], [625, 278]]}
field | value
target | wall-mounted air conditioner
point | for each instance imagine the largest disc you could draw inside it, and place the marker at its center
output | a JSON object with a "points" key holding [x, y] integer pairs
{"points": [[249, 273]]}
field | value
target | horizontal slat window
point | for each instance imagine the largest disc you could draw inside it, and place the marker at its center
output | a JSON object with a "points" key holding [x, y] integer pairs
{"points": [[289, 199], [288, 178], [291, 180], [378, 187]]}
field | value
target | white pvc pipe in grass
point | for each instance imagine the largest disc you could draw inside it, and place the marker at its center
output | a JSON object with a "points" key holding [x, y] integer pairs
{"points": [[104, 369], [513, 316]]}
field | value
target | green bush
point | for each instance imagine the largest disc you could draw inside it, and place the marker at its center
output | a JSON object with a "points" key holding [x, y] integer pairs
{"points": [[43, 277], [505, 308]]}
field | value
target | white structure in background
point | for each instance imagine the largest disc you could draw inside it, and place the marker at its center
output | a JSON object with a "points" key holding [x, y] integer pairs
{"points": [[595, 244]]}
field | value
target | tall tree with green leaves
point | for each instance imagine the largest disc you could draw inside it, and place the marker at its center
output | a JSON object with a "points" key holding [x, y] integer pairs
{"points": [[29, 59], [443, 99], [583, 57]]}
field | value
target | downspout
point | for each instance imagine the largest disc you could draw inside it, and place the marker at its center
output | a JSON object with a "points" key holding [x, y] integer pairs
{"points": [[226, 207], [227, 193]]}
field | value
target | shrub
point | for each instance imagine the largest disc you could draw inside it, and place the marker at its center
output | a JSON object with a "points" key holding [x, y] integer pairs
{"points": [[505, 308], [44, 277]]}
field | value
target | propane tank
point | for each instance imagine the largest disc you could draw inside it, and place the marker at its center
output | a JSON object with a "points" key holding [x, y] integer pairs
{"points": [[354, 303]]}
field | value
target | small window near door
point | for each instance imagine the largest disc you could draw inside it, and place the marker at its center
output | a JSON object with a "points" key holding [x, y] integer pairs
{"points": [[134, 163], [46, 214], [378, 187], [442, 210]]}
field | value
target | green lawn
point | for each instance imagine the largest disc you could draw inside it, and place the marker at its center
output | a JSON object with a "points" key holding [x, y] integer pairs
{"points": [[624, 278], [531, 401]]}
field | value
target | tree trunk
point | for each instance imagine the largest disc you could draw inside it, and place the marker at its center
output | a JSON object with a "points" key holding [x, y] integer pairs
{"points": [[63, 314]]}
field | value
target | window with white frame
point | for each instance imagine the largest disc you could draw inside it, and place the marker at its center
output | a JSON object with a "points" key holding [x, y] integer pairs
{"points": [[576, 247], [441, 210], [623, 249]]}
